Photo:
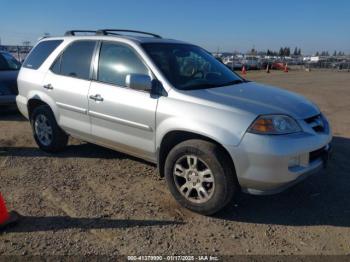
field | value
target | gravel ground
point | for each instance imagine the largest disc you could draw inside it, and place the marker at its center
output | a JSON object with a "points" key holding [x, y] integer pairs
{"points": [[91, 200]]}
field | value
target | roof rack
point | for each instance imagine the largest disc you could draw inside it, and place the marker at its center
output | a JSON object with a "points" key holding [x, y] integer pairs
{"points": [[112, 32], [73, 32]]}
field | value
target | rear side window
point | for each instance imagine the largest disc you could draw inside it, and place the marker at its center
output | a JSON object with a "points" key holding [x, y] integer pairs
{"points": [[75, 61], [37, 57]]}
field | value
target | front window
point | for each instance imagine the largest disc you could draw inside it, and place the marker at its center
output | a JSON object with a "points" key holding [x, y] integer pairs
{"points": [[190, 67], [8, 62], [116, 62]]}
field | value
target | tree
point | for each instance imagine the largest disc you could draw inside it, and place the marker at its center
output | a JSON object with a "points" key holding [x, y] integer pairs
{"points": [[281, 52], [295, 51], [253, 51], [286, 51]]}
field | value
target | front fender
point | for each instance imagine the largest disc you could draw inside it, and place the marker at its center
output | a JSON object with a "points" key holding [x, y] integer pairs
{"points": [[223, 126], [218, 134]]}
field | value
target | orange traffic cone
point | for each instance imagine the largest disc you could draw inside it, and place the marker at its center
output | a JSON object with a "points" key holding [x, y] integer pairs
{"points": [[244, 72], [268, 69], [6, 218], [286, 68]]}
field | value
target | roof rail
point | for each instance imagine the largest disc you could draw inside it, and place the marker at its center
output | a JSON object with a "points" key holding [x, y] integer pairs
{"points": [[112, 32], [73, 32]]}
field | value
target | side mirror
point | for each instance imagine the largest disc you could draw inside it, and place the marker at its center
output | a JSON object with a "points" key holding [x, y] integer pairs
{"points": [[139, 82]]}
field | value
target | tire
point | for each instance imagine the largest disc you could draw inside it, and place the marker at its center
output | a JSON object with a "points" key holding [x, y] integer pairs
{"points": [[57, 139], [220, 192]]}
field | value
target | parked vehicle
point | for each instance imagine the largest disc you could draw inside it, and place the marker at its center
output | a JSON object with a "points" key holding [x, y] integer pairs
{"points": [[9, 68], [251, 63], [234, 65], [211, 132], [278, 65]]}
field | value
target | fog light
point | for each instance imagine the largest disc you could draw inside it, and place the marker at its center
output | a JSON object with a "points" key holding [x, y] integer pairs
{"points": [[294, 161]]}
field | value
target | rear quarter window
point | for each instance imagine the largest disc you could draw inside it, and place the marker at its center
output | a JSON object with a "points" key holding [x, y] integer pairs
{"points": [[39, 54]]}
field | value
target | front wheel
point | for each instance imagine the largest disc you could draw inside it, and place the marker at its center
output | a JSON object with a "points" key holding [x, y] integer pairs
{"points": [[200, 177]]}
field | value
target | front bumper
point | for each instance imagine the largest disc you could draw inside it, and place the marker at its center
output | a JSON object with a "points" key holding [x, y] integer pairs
{"points": [[7, 100], [262, 162]]}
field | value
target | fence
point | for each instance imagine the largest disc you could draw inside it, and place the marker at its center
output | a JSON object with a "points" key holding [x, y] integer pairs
{"points": [[345, 65]]}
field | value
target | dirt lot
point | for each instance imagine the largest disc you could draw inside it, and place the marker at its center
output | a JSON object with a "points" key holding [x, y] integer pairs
{"points": [[90, 200]]}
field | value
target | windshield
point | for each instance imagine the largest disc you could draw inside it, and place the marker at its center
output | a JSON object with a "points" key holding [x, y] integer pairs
{"points": [[190, 67], [8, 62]]}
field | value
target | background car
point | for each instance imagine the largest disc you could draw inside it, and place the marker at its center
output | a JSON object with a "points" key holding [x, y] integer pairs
{"points": [[9, 68], [234, 65], [251, 63]]}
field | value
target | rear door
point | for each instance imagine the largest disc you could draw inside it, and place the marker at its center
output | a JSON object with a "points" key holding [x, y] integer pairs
{"points": [[121, 117], [68, 82]]}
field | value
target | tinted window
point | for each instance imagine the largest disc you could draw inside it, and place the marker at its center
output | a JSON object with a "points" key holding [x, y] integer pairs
{"points": [[190, 67], [56, 67], [37, 57], [3, 63], [116, 62], [12, 63], [76, 59]]}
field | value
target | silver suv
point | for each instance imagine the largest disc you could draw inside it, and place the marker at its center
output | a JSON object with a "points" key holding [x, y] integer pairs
{"points": [[211, 132]]}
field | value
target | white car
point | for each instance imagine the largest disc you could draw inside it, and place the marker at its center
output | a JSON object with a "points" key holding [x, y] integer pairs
{"points": [[211, 132]]}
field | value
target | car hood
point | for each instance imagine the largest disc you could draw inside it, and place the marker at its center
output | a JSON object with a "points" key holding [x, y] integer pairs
{"points": [[8, 80], [258, 99]]}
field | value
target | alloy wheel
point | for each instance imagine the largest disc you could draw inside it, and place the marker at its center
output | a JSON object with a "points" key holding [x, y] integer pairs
{"points": [[43, 130], [194, 179]]}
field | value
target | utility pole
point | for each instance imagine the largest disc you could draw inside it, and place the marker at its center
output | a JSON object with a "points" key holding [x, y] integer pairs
{"points": [[233, 53]]}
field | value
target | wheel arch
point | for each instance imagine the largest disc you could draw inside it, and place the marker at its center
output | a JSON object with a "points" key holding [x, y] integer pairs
{"points": [[36, 100], [174, 137]]}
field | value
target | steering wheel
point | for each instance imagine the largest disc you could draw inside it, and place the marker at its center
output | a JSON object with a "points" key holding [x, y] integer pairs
{"points": [[196, 72]]}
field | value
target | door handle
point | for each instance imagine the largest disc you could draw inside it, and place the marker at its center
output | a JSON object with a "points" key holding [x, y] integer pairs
{"points": [[48, 87], [96, 97]]}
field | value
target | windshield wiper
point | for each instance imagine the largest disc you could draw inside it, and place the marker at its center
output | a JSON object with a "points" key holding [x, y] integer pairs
{"points": [[207, 85], [199, 86], [234, 82]]}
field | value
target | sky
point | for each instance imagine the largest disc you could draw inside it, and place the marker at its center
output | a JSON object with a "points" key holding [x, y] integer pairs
{"points": [[224, 25]]}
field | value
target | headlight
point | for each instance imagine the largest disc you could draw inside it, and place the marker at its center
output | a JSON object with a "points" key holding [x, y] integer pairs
{"points": [[274, 125]]}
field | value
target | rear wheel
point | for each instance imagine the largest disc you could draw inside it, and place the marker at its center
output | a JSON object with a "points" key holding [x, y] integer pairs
{"points": [[47, 134], [200, 177]]}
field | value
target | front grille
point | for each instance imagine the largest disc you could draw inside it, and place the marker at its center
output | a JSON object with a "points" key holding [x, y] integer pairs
{"points": [[317, 123], [314, 155]]}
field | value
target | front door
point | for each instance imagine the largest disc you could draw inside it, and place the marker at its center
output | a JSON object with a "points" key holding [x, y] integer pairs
{"points": [[121, 117]]}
